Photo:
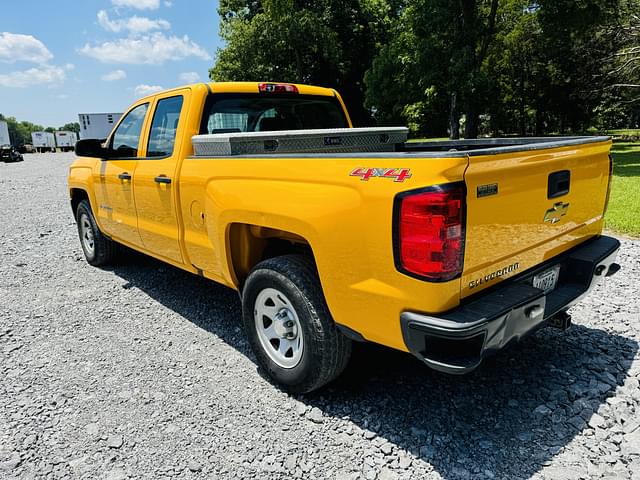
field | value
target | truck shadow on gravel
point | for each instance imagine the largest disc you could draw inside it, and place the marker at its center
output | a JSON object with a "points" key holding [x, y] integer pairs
{"points": [[508, 419]]}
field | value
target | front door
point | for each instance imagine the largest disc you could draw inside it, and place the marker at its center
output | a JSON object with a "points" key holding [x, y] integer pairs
{"points": [[155, 181], [113, 179]]}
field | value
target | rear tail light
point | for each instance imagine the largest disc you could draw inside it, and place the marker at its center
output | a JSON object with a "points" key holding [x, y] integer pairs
{"points": [[277, 88], [429, 231]]}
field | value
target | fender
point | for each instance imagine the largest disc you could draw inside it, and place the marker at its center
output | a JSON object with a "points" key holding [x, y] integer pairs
{"points": [[81, 178], [270, 205]]}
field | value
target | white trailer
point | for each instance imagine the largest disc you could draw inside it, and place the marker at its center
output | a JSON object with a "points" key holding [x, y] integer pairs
{"points": [[43, 141], [4, 134], [97, 125], [66, 141]]}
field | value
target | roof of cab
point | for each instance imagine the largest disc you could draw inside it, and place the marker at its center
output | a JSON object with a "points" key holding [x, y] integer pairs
{"points": [[252, 87], [248, 87]]}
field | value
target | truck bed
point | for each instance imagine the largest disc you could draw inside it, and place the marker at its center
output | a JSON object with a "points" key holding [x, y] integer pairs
{"points": [[510, 225], [435, 149]]}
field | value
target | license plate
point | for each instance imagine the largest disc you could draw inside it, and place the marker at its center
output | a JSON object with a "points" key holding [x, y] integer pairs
{"points": [[547, 280]]}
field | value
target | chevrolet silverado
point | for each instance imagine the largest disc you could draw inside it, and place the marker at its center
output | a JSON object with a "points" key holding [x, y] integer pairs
{"points": [[447, 250]]}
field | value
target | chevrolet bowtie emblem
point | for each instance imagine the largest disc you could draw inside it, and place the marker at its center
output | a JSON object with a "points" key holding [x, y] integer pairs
{"points": [[556, 212]]}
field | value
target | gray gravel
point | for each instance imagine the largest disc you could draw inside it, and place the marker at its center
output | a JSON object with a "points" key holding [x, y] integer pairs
{"points": [[141, 371]]}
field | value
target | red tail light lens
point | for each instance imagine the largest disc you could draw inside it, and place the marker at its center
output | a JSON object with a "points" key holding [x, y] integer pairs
{"points": [[277, 88], [430, 231]]}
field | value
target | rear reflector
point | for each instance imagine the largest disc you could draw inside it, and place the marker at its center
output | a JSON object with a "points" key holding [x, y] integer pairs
{"points": [[277, 88], [429, 231]]}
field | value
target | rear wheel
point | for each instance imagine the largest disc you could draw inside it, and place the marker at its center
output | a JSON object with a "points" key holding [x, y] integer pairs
{"points": [[98, 249], [289, 326]]}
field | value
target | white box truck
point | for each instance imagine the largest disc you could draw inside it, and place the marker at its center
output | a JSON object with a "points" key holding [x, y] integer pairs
{"points": [[43, 141], [97, 125], [4, 134], [66, 141]]}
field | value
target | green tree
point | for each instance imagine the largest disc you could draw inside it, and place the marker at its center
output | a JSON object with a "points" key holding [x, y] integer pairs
{"points": [[20, 132], [71, 127], [622, 106], [526, 66], [547, 64], [532, 67], [436, 58]]}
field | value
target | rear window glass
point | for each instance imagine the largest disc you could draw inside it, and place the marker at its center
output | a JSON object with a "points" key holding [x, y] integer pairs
{"points": [[229, 113]]}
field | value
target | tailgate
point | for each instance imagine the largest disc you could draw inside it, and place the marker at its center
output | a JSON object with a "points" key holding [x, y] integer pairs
{"points": [[524, 207]]}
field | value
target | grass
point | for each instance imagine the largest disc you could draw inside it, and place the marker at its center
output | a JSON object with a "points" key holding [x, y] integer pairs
{"points": [[623, 214], [434, 139], [629, 132]]}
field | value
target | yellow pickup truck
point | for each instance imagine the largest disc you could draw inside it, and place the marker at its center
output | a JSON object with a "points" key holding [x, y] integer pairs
{"points": [[448, 250]]}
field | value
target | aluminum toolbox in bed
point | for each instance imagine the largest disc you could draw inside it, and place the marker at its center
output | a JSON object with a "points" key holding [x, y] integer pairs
{"points": [[339, 140]]}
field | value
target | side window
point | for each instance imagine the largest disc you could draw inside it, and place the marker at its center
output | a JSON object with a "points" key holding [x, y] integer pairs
{"points": [[126, 138], [163, 127]]}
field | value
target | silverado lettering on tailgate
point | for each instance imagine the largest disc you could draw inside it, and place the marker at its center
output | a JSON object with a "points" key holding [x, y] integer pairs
{"points": [[493, 275]]}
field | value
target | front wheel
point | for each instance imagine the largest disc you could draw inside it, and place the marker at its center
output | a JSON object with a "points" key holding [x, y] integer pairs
{"points": [[289, 325], [98, 249]]}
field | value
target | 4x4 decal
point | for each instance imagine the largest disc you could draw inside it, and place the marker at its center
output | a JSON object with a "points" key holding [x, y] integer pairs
{"points": [[397, 174]]}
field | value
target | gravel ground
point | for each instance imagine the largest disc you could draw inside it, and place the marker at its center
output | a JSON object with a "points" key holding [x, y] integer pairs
{"points": [[141, 371]]}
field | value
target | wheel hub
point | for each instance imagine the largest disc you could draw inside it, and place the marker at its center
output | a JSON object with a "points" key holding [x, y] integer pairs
{"points": [[278, 328], [284, 325], [86, 234]]}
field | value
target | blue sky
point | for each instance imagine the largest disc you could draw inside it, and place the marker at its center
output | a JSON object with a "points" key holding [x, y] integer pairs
{"points": [[64, 57]]}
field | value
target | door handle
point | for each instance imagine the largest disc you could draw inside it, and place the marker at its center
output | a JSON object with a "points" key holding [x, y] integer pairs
{"points": [[124, 176], [162, 179]]}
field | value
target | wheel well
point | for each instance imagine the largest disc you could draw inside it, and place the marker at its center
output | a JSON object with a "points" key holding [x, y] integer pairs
{"points": [[77, 195], [251, 244]]}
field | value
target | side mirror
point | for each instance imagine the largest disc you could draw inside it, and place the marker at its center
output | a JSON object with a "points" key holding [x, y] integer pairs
{"points": [[91, 147]]}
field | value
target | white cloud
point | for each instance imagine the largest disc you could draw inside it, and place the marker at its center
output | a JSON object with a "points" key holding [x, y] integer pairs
{"points": [[153, 49], [144, 90], [137, 24], [168, 4], [26, 48], [189, 77], [113, 76], [45, 74], [63, 96], [133, 24], [139, 4]]}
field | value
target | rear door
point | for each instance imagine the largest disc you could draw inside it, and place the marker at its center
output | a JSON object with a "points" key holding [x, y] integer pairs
{"points": [[155, 181], [525, 207]]}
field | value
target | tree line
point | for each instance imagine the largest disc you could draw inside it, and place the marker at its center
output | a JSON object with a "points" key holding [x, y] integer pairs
{"points": [[448, 68], [20, 131]]}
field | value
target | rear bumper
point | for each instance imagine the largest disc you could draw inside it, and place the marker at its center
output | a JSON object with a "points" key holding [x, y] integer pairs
{"points": [[458, 340]]}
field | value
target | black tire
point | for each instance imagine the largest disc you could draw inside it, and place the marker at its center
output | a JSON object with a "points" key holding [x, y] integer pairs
{"points": [[104, 249], [326, 350]]}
